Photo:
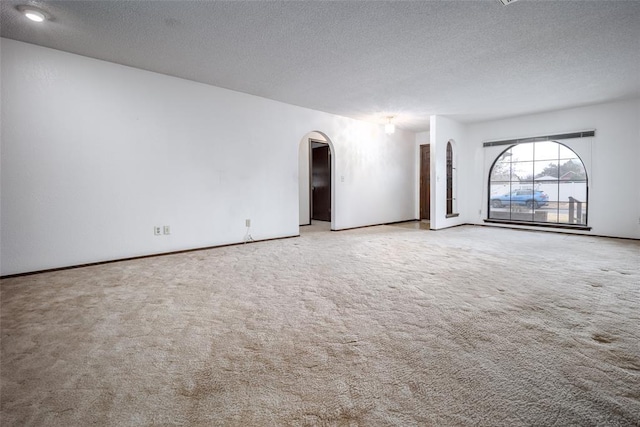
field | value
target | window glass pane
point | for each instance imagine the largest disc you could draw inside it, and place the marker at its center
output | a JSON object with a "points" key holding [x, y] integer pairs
{"points": [[505, 156], [572, 170], [581, 214], [500, 191], [549, 188], [551, 210], [449, 178], [521, 171], [526, 191], [566, 153], [563, 211], [520, 213], [573, 213], [522, 152], [577, 190], [499, 213], [524, 196], [499, 201], [547, 150], [546, 170], [501, 171]]}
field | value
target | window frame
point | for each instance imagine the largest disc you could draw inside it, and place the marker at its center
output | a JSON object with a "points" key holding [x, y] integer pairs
{"points": [[449, 184], [559, 160]]}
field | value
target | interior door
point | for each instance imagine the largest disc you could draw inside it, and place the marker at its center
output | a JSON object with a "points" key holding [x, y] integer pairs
{"points": [[321, 183], [425, 181]]}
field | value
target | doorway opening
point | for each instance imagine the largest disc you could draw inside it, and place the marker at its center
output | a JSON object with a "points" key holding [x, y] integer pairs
{"points": [[425, 182], [316, 181], [320, 188]]}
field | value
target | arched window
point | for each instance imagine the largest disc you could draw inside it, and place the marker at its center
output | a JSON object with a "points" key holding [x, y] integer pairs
{"points": [[450, 197], [538, 182]]}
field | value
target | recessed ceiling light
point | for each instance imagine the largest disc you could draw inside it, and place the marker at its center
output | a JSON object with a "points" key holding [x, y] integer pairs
{"points": [[33, 13]]}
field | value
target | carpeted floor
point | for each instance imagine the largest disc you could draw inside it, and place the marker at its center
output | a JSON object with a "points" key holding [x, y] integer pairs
{"points": [[380, 326]]}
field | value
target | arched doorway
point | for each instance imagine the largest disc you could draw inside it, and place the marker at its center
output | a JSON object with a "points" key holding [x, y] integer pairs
{"points": [[316, 172]]}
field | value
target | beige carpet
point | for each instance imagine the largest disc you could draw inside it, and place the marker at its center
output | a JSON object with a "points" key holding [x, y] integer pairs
{"points": [[381, 326]]}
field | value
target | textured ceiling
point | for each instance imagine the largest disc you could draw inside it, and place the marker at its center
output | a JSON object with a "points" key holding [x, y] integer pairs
{"points": [[467, 60]]}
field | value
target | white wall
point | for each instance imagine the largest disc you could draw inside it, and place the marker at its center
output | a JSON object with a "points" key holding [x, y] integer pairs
{"points": [[374, 173], [95, 154], [611, 159], [443, 130]]}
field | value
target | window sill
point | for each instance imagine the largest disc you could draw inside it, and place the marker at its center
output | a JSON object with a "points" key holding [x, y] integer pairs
{"points": [[453, 215], [539, 224]]}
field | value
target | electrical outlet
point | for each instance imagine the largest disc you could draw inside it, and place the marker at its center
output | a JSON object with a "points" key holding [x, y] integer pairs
{"points": [[247, 223], [157, 230], [166, 229]]}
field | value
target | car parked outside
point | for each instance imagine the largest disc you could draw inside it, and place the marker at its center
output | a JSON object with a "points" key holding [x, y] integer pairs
{"points": [[529, 198]]}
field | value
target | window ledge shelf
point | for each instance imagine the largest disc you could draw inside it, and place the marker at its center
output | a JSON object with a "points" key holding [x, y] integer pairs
{"points": [[540, 224], [453, 215]]}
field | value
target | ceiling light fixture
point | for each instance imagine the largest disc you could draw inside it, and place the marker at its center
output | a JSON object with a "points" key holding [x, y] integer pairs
{"points": [[34, 14], [389, 128]]}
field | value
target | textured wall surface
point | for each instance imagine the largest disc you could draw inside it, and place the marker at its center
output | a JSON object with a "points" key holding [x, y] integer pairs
{"points": [[95, 154]]}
